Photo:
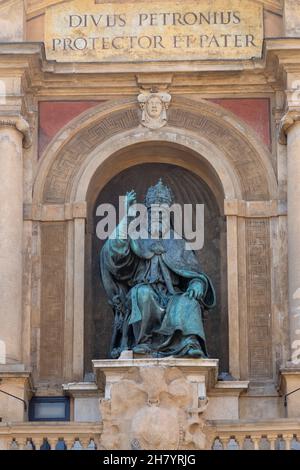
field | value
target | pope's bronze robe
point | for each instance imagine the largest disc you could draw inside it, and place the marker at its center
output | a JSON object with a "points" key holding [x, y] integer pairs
{"points": [[146, 281]]}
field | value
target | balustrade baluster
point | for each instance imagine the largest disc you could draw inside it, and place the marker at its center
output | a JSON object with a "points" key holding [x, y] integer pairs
{"points": [[272, 439], [256, 442], [14, 445], [288, 441]]}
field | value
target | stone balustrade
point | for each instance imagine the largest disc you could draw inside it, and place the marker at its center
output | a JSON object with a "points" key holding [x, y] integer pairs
{"points": [[271, 435], [50, 436]]}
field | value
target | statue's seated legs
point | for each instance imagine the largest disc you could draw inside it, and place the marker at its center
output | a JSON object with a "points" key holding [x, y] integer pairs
{"points": [[146, 309], [183, 328]]}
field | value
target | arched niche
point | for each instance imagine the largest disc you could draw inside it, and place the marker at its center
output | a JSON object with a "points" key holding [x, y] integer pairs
{"points": [[188, 188]]}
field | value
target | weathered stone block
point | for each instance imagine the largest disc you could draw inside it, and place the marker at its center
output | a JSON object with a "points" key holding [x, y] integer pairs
{"points": [[12, 21], [292, 17]]}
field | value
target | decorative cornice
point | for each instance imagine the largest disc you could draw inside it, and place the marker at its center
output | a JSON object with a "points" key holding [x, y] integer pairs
{"points": [[21, 125], [43, 73]]}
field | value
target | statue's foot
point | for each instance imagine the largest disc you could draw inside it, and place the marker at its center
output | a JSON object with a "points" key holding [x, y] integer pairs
{"points": [[196, 353], [115, 353], [142, 349]]}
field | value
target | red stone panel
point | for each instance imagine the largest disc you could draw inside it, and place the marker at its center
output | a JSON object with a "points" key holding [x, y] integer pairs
{"points": [[53, 115], [253, 111]]}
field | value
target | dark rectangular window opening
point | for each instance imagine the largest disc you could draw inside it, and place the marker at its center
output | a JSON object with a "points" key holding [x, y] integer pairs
{"points": [[49, 409]]}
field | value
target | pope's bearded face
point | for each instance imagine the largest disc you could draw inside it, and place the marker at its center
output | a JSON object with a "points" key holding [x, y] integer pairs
{"points": [[159, 221]]}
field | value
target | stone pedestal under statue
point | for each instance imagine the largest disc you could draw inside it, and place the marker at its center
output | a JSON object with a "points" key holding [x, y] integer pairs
{"points": [[158, 404]]}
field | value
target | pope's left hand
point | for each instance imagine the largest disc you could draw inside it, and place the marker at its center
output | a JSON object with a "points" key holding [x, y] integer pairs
{"points": [[195, 291]]}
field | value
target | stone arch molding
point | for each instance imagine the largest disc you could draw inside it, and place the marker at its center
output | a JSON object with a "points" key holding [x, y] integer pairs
{"points": [[241, 162]]}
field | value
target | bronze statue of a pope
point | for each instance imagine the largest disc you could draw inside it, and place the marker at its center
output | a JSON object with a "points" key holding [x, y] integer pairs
{"points": [[156, 287]]}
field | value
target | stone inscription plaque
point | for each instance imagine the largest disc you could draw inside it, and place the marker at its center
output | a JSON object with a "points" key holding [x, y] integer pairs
{"points": [[90, 31]]}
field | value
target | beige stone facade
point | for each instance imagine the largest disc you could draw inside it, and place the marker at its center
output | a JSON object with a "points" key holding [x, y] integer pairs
{"points": [[70, 126]]}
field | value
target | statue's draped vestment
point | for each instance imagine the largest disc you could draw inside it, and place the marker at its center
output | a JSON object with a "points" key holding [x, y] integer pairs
{"points": [[146, 281]]}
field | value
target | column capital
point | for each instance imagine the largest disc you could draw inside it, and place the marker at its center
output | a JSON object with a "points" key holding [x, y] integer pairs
{"points": [[21, 125], [286, 122]]}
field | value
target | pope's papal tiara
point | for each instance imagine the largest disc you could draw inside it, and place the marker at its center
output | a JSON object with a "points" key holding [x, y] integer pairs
{"points": [[159, 194]]}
